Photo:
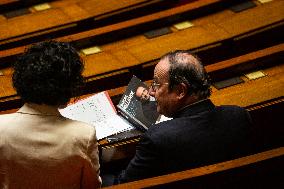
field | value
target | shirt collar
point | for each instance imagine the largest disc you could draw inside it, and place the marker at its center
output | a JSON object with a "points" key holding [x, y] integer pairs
{"points": [[36, 109], [192, 109]]}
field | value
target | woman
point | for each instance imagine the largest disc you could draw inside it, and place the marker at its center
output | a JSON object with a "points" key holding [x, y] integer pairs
{"points": [[38, 147]]}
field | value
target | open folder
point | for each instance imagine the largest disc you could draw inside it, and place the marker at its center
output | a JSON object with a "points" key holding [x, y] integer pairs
{"points": [[131, 112]]}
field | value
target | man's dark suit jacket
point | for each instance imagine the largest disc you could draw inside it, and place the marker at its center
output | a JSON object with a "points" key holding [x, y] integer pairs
{"points": [[200, 134]]}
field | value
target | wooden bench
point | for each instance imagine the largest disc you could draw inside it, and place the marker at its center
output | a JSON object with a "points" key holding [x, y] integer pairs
{"points": [[259, 59], [64, 15], [207, 34], [145, 23], [138, 54], [261, 170], [210, 36], [14, 5], [120, 67], [209, 41], [113, 32], [8, 4], [225, 69]]}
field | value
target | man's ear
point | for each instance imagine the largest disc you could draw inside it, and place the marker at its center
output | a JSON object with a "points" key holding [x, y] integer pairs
{"points": [[181, 90]]}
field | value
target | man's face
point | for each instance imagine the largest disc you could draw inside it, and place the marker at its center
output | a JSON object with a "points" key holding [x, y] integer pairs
{"points": [[166, 99], [143, 94]]}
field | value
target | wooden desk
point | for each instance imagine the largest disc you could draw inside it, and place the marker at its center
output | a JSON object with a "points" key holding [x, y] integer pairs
{"points": [[63, 15], [122, 29], [261, 170], [210, 41], [236, 66], [7, 4]]}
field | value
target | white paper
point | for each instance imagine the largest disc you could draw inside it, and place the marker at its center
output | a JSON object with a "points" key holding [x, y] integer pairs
{"points": [[97, 110], [163, 118]]}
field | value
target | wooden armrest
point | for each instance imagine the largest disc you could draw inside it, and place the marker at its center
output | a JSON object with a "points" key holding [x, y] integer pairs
{"points": [[257, 167]]}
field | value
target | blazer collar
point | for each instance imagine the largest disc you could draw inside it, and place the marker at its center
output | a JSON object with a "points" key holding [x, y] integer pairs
{"points": [[192, 109], [36, 109]]}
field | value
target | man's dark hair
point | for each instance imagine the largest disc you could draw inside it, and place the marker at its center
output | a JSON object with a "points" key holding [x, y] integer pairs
{"points": [[187, 68], [48, 73]]}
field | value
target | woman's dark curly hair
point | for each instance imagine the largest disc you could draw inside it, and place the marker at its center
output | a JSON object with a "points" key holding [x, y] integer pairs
{"points": [[48, 73]]}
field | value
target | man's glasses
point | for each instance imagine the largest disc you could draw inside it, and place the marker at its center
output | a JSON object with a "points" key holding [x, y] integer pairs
{"points": [[155, 85]]}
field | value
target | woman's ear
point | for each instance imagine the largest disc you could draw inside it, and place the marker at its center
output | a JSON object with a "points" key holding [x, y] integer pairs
{"points": [[181, 90]]}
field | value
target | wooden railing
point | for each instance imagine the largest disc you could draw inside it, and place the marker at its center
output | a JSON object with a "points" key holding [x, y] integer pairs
{"points": [[63, 15], [237, 66], [261, 170], [114, 31]]}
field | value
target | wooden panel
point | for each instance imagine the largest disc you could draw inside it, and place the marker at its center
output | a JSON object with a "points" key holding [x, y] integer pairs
{"points": [[253, 18], [67, 14], [75, 12], [101, 7], [187, 178], [8, 111], [253, 91], [107, 62], [64, 3], [245, 58], [139, 20], [110, 61], [34, 22], [87, 35], [142, 50], [3, 2], [213, 18], [6, 86], [2, 18], [186, 39]]}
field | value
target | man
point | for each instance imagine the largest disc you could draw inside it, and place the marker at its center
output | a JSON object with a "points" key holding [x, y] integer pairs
{"points": [[38, 147], [142, 93], [200, 133], [148, 105]]}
